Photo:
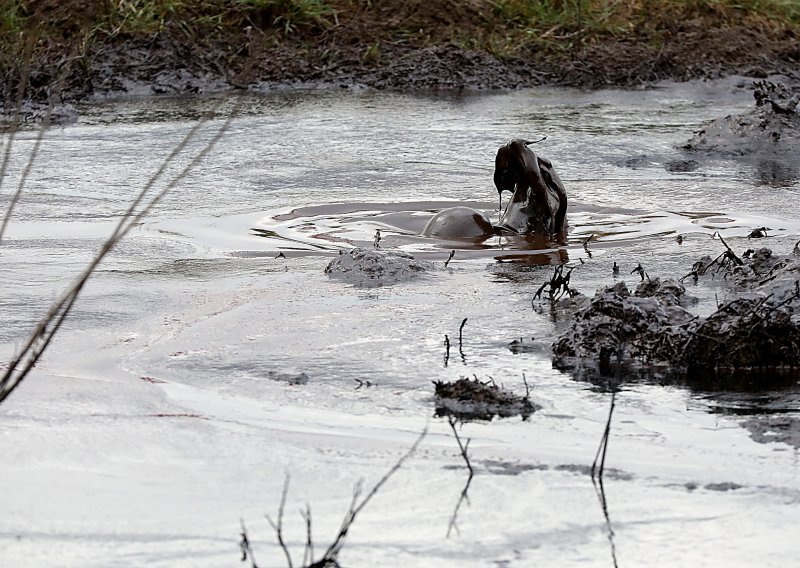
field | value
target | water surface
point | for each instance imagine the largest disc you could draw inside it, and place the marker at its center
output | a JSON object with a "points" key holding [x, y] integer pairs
{"points": [[198, 368]]}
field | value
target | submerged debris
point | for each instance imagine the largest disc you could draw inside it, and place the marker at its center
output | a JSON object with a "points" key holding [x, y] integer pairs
{"points": [[472, 399], [650, 330], [375, 267], [558, 285]]}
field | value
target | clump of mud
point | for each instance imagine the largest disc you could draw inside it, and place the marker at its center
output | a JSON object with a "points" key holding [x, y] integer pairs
{"points": [[756, 331], [472, 399], [647, 327], [367, 268], [767, 134]]}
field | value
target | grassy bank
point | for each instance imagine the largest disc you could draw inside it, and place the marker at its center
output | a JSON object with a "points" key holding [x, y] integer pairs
{"points": [[233, 38]]}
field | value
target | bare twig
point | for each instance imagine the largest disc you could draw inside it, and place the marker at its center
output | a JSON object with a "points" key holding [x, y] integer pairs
{"points": [[34, 152], [278, 527], [244, 545], [37, 343], [527, 387], [308, 552], [446, 349], [452, 254], [461, 335], [25, 173], [586, 245], [332, 553], [729, 253], [641, 272], [558, 285]]}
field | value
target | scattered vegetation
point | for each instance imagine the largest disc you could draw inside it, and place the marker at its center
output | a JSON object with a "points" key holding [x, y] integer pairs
{"points": [[330, 557]]}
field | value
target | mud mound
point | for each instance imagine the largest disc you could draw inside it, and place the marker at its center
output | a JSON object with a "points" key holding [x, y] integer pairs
{"points": [[757, 333], [646, 328], [768, 134], [374, 267], [745, 333], [471, 399]]}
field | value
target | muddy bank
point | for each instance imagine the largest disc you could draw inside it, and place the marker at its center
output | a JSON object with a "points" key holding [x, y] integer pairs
{"points": [[72, 51]]}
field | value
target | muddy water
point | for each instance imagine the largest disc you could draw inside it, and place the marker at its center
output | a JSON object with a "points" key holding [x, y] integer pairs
{"points": [[199, 364]]}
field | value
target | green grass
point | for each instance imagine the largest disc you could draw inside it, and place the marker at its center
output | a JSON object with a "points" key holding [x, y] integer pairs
{"points": [[610, 16], [560, 25]]}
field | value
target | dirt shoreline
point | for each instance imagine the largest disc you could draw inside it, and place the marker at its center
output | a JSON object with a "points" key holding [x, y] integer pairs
{"points": [[163, 65], [438, 45]]}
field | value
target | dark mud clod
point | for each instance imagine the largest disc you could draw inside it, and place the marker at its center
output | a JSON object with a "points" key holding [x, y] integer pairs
{"points": [[472, 399], [521, 345], [615, 270], [758, 233], [756, 335], [281, 255]]}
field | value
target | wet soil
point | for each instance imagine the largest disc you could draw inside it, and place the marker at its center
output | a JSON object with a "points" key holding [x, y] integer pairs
{"points": [[754, 339], [432, 45], [472, 399]]}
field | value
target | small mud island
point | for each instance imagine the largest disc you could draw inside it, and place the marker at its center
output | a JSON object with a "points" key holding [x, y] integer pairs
{"points": [[753, 337], [74, 49]]}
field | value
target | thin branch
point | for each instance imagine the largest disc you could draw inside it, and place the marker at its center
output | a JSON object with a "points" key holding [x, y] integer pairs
{"points": [[355, 508], [308, 552], [34, 152], [24, 361], [731, 254], [278, 527], [25, 173], [244, 545]]}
